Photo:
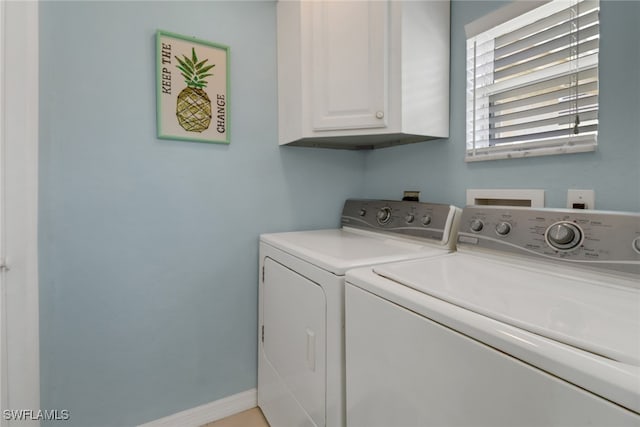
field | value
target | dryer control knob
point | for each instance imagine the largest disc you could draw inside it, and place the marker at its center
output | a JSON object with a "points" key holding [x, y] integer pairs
{"points": [[362, 212], [426, 220], [384, 215], [503, 228], [636, 244], [409, 218], [476, 225]]}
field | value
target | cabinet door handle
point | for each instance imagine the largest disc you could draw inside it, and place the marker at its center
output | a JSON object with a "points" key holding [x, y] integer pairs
{"points": [[379, 115], [311, 350]]}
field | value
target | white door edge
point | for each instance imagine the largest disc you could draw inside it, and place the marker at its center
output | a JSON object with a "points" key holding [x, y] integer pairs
{"points": [[3, 336], [19, 76]]}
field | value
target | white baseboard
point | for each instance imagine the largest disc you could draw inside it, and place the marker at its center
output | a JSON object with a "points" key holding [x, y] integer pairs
{"points": [[209, 412]]}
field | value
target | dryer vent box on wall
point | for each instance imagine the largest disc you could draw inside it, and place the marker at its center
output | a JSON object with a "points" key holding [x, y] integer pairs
{"points": [[506, 197]]}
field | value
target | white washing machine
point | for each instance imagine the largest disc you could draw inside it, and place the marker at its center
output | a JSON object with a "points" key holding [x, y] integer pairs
{"points": [[301, 300], [534, 321]]}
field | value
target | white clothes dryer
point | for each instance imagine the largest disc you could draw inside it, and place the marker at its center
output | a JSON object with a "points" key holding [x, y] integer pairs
{"points": [[301, 300], [534, 321]]}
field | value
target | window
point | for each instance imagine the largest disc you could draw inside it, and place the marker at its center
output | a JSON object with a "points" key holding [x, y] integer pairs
{"points": [[532, 82]]}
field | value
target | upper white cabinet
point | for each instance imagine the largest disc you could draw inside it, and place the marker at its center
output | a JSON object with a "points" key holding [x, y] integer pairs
{"points": [[362, 74]]}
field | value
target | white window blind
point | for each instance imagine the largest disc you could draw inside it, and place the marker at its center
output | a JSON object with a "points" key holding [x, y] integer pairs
{"points": [[532, 83]]}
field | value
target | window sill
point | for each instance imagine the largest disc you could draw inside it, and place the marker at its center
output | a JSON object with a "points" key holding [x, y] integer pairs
{"points": [[495, 153]]}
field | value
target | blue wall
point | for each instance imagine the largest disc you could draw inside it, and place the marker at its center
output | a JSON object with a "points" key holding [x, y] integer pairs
{"points": [[438, 169], [148, 248]]}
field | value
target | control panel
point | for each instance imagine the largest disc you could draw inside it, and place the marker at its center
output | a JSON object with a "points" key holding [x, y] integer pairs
{"points": [[609, 240], [414, 219]]}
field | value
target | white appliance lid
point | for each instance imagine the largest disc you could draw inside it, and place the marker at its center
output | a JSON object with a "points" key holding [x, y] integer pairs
{"points": [[590, 314], [338, 250]]}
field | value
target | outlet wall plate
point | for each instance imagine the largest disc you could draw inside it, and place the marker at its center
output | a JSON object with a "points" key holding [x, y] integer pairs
{"points": [[581, 199]]}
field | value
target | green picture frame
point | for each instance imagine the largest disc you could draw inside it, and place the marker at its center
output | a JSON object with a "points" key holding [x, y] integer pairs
{"points": [[192, 96]]}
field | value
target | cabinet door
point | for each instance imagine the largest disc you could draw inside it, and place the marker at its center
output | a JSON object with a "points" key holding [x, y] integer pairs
{"points": [[348, 64]]}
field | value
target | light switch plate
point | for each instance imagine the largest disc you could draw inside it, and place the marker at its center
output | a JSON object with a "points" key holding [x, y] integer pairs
{"points": [[581, 199]]}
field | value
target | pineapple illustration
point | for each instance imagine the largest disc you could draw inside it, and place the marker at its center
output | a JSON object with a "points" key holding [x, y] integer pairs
{"points": [[193, 108]]}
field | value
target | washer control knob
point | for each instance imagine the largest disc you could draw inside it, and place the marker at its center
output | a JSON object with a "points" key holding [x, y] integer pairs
{"points": [[636, 244], [503, 228], [426, 220], [384, 215], [409, 218], [362, 212], [563, 235], [476, 225]]}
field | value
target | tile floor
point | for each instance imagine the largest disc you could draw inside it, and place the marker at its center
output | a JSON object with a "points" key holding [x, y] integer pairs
{"points": [[251, 418]]}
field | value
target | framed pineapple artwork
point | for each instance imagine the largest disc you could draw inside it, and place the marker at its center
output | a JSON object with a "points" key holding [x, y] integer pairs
{"points": [[192, 89]]}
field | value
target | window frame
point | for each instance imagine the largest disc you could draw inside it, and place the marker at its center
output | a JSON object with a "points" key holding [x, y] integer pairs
{"points": [[484, 31]]}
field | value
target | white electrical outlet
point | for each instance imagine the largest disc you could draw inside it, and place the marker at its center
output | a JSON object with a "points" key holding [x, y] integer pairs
{"points": [[581, 199]]}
